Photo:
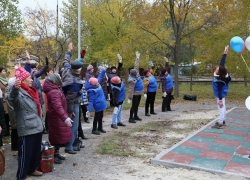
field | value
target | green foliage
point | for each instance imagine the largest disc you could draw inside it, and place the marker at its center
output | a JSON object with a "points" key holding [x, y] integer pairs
{"points": [[10, 18]]}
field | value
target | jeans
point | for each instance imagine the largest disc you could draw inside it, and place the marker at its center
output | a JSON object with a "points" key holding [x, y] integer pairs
{"points": [[74, 127], [222, 111], [118, 116]]}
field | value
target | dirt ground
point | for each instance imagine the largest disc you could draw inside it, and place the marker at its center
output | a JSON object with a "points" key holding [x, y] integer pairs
{"points": [[138, 143]]}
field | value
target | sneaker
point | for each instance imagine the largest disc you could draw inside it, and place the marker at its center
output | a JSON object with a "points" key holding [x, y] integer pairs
{"points": [[137, 118], [37, 173], [57, 160], [114, 126], [121, 124], [224, 123], [217, 126], [96, 132], [131, 120], [60, 156]]}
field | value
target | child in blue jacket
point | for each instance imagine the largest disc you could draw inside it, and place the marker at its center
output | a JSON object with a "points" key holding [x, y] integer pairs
{"points": [[97, 101], [220, 88]]}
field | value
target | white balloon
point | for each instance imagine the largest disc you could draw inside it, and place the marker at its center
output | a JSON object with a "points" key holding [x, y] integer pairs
{"points": [[247, 43], [247, 103]]}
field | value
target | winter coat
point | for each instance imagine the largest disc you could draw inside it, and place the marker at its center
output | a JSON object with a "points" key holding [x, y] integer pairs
{"points": [[11, 111], [152, 84], [119, 93], [3, 88], [72, 84], [27, 116], [84, 96], [59, 132], [36, 82], [103, 83], [2, 119], [135, 86], [167, 83], [96, 96]]}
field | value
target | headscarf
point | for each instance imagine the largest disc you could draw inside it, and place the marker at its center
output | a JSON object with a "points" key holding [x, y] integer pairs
{"points": [[55, 79]]}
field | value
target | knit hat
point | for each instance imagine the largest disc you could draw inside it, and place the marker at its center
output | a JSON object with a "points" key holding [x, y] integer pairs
{"points": [[55, 79], [100, 68], [90, 67], [133, 72], [145, 72], [115, 80], [33, 66], [163, 71], [93, 81], [112, 67], [21, 73], [76, 64]]}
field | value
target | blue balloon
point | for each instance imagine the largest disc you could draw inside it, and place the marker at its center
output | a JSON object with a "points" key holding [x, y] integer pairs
{"points": [[237, 44]]}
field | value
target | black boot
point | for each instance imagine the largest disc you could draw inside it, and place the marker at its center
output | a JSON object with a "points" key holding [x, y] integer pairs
{"points": [[57, 160], [59, 156]]}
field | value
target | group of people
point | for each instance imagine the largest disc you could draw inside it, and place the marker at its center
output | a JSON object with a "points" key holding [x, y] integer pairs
{"points": [[68, 95]]}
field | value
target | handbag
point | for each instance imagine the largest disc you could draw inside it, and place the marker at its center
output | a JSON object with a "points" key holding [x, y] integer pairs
{"points": [[190, 97], [46, 163]]}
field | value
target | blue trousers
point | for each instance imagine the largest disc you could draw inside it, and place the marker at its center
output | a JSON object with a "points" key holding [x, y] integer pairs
{"points": [[29, 153], [74, 127], [118, 116]]}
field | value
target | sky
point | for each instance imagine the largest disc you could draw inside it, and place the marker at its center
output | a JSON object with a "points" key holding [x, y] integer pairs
{"points": [[51, 4]]}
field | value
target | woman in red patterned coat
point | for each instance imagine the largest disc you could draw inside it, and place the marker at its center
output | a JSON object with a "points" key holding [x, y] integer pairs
{"points": [[58, 121]]}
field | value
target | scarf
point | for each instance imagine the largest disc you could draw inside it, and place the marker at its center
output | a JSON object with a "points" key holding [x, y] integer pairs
{"points": [[4, 80], [34, 94]]}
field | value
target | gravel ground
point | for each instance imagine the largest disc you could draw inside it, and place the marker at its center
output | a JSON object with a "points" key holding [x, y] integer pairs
{"points": [[87, 164]]}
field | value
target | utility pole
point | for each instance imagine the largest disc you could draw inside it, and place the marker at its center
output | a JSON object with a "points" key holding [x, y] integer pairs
{"points": [[57, 32], [79, 28]]}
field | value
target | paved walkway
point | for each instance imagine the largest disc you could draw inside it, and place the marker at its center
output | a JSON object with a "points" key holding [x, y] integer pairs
{"points": [[215, 150]]}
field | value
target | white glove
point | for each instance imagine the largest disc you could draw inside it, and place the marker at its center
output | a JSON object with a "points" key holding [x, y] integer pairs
{"points": [[108, 97], [164, 94], [166, 59], [129, 101], [137, 54], [115, 110], [120, 58], [105, 67], [87, 114], [150, 63], [145, 96]]}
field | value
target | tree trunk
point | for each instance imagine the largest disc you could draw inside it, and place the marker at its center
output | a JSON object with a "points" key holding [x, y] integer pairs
{"points": [[177, 49]]}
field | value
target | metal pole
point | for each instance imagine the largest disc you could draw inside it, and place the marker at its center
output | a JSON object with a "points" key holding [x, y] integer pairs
{"points": [[79, 28], [57, 63]]}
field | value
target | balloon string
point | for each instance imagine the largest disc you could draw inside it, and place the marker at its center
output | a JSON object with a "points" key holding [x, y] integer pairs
{"points": [[245, 63]]}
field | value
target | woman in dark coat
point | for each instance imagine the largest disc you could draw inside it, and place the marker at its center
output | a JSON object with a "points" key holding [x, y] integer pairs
{"points": [[58, 121]]}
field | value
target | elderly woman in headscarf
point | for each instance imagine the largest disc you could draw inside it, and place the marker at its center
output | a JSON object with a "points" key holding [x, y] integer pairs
{"points": [[59, 122]]}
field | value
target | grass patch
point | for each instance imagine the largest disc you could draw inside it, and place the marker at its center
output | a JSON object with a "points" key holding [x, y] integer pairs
{"points": [[236, 93], [146, 138]]}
